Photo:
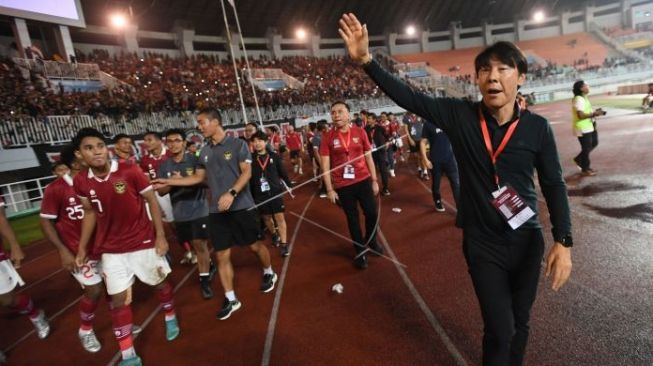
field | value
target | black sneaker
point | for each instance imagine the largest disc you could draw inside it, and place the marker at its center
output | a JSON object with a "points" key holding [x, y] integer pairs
{"points": [[212, 270], [276, 240], [268, 282], [228, 307], [376, 249], [283, 249], [360, 262], [439, 206], [205, 288], [385, 192]]}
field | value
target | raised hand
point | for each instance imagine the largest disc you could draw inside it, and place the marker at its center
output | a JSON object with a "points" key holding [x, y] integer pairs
{"points": [[356, 39]]}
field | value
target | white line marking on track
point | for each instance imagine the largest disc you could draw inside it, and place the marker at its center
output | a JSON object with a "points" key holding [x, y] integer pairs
{"points": [[50, 319], [39, 281], [149, 319], [437, 327], [267, 349]]}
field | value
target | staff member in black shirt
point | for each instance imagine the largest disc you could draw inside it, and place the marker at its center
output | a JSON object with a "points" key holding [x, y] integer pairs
{"points": [[379, 139], [266, 182], [498, 147]]}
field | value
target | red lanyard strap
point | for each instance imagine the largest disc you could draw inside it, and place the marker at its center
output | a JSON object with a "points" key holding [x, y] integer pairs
{"points": [[488, 143], [265, 164], [346, 146]]}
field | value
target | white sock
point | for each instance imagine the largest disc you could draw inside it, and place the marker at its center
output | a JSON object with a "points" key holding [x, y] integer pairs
{"points": [[128, 353], [268, 270], [170, 317], [83, 332], [231, 296]]}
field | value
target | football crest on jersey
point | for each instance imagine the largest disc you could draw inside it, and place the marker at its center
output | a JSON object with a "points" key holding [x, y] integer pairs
{"points": [[71, 200], [336, 143], [120, 187], [227, 155], [190, 171]]}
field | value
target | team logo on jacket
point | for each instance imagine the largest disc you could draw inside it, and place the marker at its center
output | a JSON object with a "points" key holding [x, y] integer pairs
{"points": [[336, 143], [227, 155], [190, 171], [120, 187]]}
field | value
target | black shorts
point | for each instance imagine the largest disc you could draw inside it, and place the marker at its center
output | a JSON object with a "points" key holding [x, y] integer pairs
{"points": [[414, 148], [272, 207], [192, 230], [294, 154], [234, 228]]}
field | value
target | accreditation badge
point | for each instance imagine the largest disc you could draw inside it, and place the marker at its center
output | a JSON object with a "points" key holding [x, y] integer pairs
{"points": [[511, 206]]}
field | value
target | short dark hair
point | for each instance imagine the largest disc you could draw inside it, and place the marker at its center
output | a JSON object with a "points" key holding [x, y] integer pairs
{"points": [[191, 143], [506, 52], [84, 133], [119, 137], [340, 102], [212, 113], [176, 131], [578, 85], [56, 164], [154, 133], [252, 124], [259, 135], [67, 156]]}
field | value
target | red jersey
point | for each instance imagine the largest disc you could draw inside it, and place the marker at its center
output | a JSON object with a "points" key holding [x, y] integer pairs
{"points": [[275, 139], [294, 141], [394, 127], [150, 163], [60, 203], [309, 137], [343, 147], [123, 223]]}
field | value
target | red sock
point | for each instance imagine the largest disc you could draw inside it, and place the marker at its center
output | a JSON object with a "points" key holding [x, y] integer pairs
{"points": [[187, 246], [24, 306], [87, 309], [165, 298], [121, 317]]}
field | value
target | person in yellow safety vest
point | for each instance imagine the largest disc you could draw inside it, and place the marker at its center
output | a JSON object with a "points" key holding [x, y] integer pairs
{"points": [[584, 126]]}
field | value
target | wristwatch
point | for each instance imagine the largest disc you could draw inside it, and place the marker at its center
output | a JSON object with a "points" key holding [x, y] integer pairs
{"points": [[233, 192], [566, 241]]}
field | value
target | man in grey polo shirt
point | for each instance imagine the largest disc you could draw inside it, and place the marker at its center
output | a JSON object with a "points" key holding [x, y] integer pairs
{"points": [[189, 206], [225, 162]]}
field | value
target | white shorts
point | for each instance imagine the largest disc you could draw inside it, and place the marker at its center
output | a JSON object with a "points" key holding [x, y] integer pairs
{"points": [[9, 278], [119, 269], [90, 274], [166, 207]]}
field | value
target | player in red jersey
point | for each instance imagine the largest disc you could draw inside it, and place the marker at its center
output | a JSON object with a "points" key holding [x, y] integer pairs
{"points": [[9, 279], [61, 223], [124, 149], [296, 148], [131, 244]]}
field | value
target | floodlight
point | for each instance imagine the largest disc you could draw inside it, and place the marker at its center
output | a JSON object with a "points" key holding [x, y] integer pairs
{"points": [[300, 33], [410, 30], [118, 20], [539, 16]]}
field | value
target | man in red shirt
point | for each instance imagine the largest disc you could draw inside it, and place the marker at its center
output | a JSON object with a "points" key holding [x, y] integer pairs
{"points": [[61, 223], [294, 144], [9, 279], [350, 179], [131, 244]]}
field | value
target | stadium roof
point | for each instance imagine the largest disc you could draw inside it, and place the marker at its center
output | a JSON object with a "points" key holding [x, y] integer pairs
{"points": [[321, 16]]}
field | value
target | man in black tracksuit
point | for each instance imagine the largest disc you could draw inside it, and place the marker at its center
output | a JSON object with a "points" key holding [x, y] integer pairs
{"points": [[497, 147], [266, 186]]}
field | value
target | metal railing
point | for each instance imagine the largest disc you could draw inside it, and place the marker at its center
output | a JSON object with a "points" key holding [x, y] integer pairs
{"points": [[24, 196], [60, 70]]}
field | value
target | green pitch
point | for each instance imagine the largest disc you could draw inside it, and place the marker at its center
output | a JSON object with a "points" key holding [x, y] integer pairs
{"points": [[27, 229], [624, 102]]}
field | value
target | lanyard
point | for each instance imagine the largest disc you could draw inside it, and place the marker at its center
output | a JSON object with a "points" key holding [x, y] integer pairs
{"points": [[265, 164], [488, 143], [346, 146]]}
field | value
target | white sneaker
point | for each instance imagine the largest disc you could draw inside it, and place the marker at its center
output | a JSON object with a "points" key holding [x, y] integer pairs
{"points": [[90, 342], [188, 258], [300, 172], [392, 173], [41, 325], [295, 168]]}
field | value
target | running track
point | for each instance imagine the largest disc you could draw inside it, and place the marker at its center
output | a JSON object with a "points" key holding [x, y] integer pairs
{"points": [[416, 307]]}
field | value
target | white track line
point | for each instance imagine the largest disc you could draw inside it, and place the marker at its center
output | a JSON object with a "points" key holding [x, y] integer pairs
{"points": [[149, 319], [435, 324], [267, 350], [39, 281], [49, 319]]}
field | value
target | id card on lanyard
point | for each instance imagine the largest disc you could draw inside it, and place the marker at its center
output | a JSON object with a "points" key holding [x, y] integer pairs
{"points": [[265, 185], [505, 199], [348, 172]]}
